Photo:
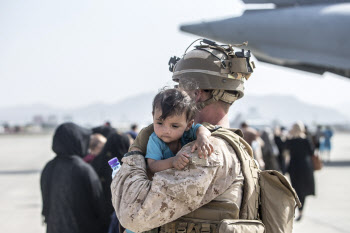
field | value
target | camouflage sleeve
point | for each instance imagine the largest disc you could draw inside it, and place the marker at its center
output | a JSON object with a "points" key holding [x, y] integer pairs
{"points": [[140, 143], [142, 204]]}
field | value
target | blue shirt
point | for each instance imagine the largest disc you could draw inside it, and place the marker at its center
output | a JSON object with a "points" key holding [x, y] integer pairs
{"points": [[159, 150]]}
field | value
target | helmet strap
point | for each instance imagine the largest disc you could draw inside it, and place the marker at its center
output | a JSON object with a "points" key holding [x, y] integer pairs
{"points": [[216, 96]]}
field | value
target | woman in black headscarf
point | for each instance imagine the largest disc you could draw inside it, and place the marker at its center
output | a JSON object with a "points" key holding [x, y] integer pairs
{"points": [[71, 191], [116, 146], [105, 130]]}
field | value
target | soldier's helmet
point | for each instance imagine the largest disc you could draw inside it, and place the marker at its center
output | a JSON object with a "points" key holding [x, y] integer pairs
{"points": [[214, 67]]}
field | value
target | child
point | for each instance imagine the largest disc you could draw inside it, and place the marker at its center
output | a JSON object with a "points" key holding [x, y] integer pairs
{"points": [[173, 116], [96, 144]]}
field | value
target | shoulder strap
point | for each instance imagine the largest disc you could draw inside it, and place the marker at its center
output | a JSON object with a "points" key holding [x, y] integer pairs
{"points": [[250, 170]]}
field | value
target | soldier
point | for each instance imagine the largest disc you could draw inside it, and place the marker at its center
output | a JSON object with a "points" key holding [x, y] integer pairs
{"points": [[208, 190]]}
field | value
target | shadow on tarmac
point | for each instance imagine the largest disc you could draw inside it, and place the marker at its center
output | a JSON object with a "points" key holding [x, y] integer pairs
{"points": [[20, 172], [338, 163]]}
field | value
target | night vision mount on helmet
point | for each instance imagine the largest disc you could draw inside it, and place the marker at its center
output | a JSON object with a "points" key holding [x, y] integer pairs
{"points": [[214, 67]]}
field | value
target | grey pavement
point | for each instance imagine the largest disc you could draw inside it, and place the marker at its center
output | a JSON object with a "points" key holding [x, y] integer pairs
{"points": [[23, 157], [328, 211], [21, 160]]}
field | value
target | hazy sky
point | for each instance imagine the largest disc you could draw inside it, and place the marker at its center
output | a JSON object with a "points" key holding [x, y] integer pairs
{"points": [[73, 53]]}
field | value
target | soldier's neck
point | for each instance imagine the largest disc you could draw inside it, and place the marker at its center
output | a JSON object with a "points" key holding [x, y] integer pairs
{"points": [[214, 116]]}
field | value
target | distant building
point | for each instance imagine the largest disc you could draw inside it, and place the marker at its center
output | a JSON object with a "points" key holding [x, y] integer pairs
{"points": [[67, 118], [52, 121], [38, 120]]}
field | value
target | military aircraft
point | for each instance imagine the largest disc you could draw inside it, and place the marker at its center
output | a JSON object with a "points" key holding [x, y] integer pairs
{"points": [[309, 35]]}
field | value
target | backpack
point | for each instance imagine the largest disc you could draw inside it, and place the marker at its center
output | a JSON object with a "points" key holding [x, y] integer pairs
{"points": [[267, 195]]}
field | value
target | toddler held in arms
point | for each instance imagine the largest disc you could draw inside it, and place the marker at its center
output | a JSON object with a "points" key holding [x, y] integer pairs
{"points": [[173, 120]]}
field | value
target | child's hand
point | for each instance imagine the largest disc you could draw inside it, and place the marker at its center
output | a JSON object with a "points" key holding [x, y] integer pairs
{"points": [[205, 148], [180, 161]]}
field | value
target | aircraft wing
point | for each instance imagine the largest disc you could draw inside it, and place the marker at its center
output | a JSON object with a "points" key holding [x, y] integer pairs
{"points": [[287, 3], [312, 38]]}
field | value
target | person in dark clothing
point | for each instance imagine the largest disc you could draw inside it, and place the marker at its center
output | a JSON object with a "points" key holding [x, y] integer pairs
{"points": [[317, 137], [300, 167], [269, 150], [279, 140], [71, 191], [133, 131], [106, 130], [116, 146]]}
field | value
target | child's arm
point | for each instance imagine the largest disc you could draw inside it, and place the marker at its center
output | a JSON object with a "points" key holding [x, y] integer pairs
{"points": [[178, 162], [205, 148], [160, 165]]}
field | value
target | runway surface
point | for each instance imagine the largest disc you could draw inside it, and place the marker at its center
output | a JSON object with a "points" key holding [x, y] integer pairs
{"points": [[23, 156]]}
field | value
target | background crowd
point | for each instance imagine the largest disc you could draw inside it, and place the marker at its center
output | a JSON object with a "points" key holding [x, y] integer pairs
{"points": [[291, 151], [75, 184]]}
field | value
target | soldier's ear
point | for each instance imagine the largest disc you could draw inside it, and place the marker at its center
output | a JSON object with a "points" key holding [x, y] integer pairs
{"points": [[202, 95], [197, 95]]}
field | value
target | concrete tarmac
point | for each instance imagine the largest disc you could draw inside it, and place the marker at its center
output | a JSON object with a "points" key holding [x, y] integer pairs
{"points": [[23, 156]]}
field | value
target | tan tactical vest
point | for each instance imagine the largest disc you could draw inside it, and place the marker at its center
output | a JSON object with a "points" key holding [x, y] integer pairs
{"points": [[208, 217], [258, 212], [250, 203]]}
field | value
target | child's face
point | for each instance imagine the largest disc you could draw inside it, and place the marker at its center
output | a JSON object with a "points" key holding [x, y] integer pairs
{"points": [[97, 149], [171, 128]]}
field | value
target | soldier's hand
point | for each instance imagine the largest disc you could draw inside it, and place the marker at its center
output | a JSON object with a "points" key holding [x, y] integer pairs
{"points": [[180, 161], [204, 147]]}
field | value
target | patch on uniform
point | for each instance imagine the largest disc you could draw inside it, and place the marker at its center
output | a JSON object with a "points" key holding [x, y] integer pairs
{"points": [[195, 160], [212, 161]]}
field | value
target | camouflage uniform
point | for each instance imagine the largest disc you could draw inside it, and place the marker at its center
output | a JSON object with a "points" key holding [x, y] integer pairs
{"points": [[224, 193], [207, 190], [142, 204]]}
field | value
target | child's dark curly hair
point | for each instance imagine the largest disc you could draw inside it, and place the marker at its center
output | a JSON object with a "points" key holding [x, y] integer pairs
{"points": [[174, 102]]}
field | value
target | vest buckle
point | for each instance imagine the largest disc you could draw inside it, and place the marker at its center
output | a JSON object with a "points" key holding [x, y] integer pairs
{"points": [[181, 228], [205, 228]]}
